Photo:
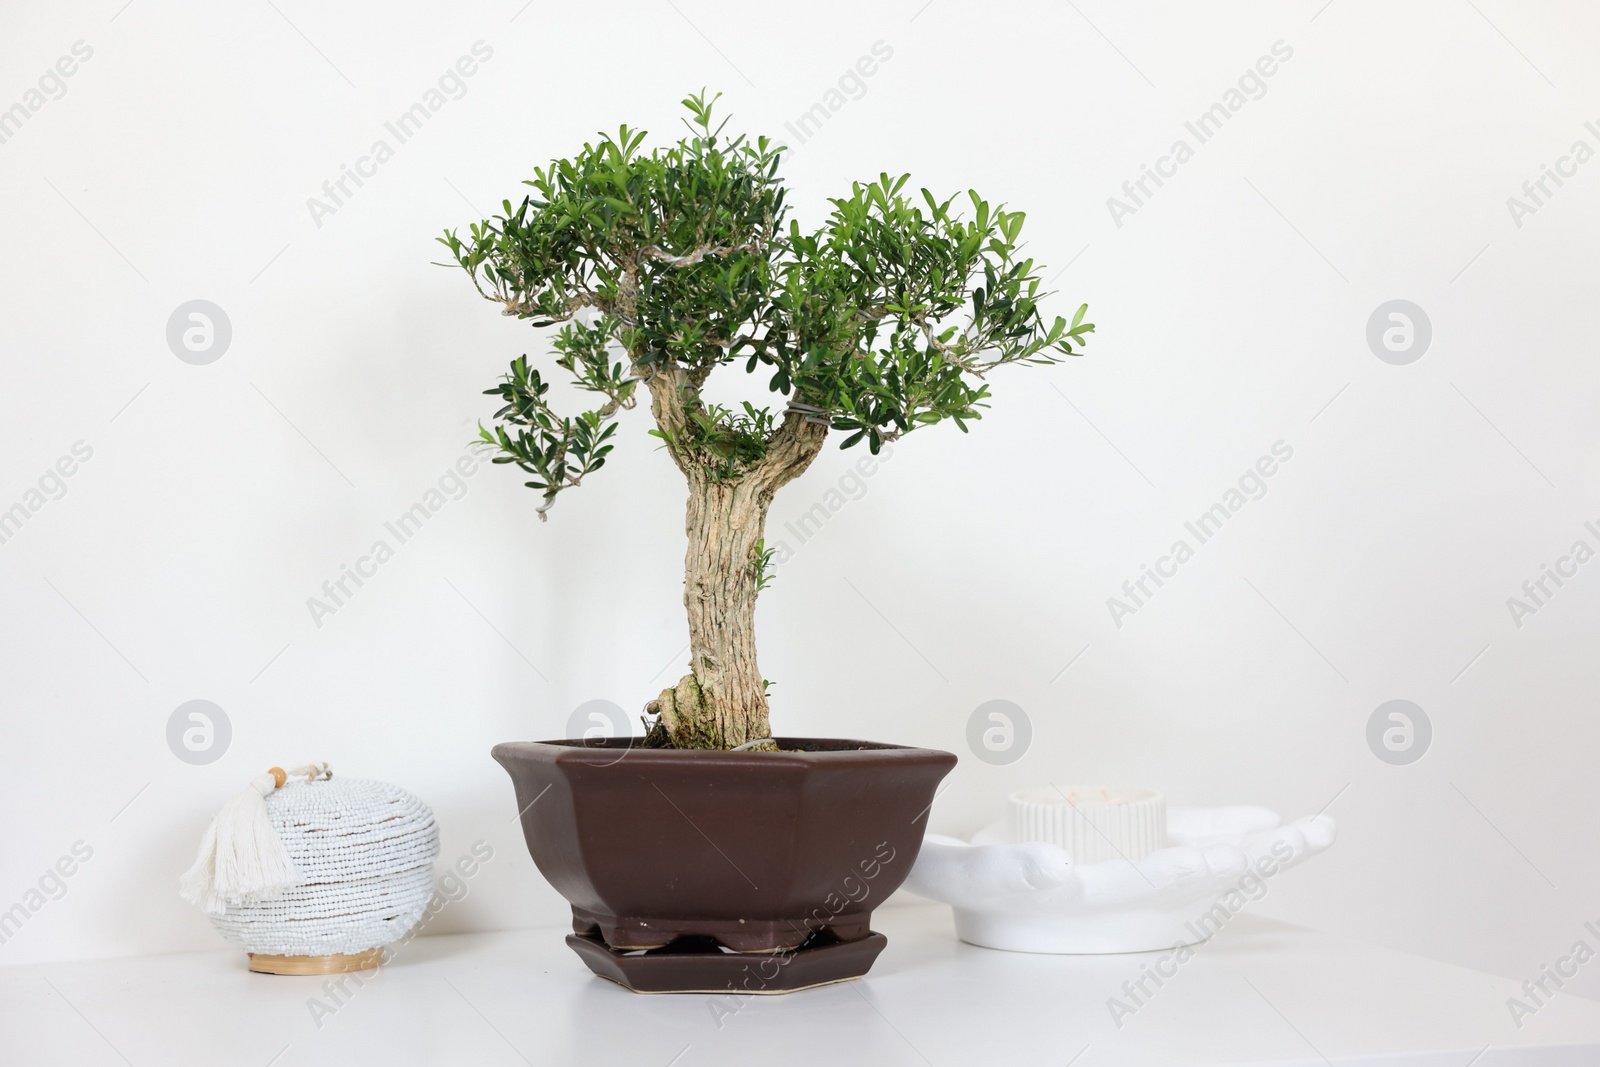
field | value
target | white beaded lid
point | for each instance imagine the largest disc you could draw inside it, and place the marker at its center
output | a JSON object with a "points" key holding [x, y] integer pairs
{"points": [[1091, 822], [364, 851]]}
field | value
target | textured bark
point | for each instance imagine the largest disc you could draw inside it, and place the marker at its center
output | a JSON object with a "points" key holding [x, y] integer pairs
{"points": [[722, 702]]}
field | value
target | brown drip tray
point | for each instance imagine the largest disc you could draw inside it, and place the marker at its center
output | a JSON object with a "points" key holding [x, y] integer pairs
{"points": [[698, 965]]}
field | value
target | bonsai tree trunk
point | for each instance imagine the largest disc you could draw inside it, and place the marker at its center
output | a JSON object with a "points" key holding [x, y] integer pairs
{"points": [[722, 702]]}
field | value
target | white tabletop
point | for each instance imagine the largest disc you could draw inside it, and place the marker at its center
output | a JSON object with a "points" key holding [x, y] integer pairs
{"points": [[1260, 993]]}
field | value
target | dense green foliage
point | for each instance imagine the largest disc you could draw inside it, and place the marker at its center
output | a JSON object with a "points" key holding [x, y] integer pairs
{"points": [[882, 321]]}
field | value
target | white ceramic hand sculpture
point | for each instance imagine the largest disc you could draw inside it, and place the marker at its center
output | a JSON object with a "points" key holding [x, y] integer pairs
{"points": [[1032, 898]]}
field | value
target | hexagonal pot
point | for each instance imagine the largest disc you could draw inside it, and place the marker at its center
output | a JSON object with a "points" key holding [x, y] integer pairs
{"points": [[776, 857]]}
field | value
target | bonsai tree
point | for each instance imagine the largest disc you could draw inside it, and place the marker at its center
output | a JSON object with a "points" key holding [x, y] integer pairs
{"points": [[661, 269]]}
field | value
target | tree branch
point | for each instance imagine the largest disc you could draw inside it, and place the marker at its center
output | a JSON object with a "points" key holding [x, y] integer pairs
{"points": [[789, 452]]}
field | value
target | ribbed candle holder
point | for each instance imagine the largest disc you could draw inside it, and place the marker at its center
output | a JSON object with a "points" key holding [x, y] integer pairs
{"points": [[1092, 823]]}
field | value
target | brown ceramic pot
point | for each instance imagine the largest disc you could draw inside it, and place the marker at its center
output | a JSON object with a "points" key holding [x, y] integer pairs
{"points": [[778, 853]]}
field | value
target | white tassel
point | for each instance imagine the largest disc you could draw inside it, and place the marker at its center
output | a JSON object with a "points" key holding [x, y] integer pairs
{"points": [[241, 857]]}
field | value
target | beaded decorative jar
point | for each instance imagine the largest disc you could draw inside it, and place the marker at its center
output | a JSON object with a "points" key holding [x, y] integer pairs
{"points": [[363, 853]]}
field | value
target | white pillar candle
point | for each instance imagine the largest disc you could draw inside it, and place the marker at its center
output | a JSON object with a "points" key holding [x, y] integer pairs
{"points": [[1092, 823]]}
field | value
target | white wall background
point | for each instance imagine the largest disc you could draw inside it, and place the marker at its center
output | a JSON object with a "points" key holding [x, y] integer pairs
{"points": [[1232, 310]]}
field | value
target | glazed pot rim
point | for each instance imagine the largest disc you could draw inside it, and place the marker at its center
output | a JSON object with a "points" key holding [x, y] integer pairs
{"points": [[828, 750]]}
